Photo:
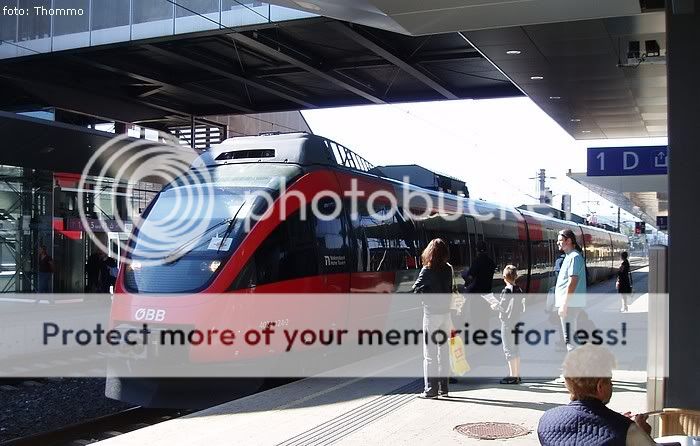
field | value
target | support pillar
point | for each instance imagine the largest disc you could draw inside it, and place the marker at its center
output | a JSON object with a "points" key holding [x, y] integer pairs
{"points": [[683, 46]]}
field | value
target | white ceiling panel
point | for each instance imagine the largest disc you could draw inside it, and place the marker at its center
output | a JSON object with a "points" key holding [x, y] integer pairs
{"points": [[652, 101], [626, 132], [605, 124], [656, 128], [581, 64], [579, 47]]}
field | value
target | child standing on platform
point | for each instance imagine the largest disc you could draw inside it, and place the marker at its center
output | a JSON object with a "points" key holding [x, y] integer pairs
{"points": [[511, 307]]}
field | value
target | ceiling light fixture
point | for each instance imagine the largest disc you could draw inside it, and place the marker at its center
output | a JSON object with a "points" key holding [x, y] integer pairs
{"points": [[554, 98], [513, 52], [307, 5], [575, 120], [585, 131], [536, 78]]}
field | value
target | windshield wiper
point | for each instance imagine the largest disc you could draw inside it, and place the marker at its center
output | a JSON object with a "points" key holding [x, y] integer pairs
{"points": [[179, 252], [229, 228]]}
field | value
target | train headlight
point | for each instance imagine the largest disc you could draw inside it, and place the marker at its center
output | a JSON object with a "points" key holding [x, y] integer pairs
{"points": [[211, 266]]}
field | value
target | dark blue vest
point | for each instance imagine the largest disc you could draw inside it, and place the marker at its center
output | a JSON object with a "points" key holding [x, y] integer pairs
{"points": [[583, 423]]}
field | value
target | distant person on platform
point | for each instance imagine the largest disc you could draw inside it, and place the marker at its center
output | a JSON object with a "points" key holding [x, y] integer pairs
{"points": [[46, 270], [479, 277], [107, 274], [586, 421], [93, 268], [570, 290], [624, 281]]}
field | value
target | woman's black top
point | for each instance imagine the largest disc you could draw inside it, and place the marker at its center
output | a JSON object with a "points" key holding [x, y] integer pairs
{"points": [[434, 281]]}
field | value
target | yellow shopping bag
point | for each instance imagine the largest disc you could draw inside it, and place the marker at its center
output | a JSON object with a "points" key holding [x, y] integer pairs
{"points": [[458, 360]]}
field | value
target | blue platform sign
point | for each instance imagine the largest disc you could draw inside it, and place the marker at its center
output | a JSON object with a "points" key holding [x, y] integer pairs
{"points": [[620, 161]]}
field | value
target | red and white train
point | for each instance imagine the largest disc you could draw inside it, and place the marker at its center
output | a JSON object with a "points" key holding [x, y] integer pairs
{"points": [[293, 251]]}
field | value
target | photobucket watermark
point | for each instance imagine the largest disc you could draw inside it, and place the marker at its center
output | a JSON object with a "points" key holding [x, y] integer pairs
{"points": [[380, 205], [197, 211]]}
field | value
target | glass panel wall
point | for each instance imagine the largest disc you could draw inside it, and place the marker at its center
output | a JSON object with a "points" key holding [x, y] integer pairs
{"points": [[8, 30], [110, 21], [71, 29], [34, 29], [54, 25], [244, 12], [152, 18], [196, 15], [280, 13]]}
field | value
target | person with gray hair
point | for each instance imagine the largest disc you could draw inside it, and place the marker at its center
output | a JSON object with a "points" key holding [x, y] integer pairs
{"points": [[586, 420]]}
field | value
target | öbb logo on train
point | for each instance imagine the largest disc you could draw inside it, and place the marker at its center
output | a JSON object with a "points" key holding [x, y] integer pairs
{"points": [[149, 314]]}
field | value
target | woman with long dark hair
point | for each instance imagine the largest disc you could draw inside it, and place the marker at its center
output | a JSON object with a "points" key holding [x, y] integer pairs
{"points": [[435, 282]]}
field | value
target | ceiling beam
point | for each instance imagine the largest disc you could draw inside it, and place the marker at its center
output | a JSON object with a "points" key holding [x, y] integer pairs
{"points": [[283, 55], [374, 62], [384, 53], [226, 73], [101, 103], [193, 91], [447, 56], [153, 90]]}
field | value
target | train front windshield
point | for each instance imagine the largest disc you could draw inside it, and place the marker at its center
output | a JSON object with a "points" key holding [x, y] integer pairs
{"points": [[196, 223]]}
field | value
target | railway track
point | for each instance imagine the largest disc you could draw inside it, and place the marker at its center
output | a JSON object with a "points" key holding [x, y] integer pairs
{"points": [[99, 428]]}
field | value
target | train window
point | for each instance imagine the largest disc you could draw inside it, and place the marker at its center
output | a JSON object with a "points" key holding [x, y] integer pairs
{"points": [[507, 251], [287, 253], [331, 237], [401, 233], [453, 232], [384, 242]]}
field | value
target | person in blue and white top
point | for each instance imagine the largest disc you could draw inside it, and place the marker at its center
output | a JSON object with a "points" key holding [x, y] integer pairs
{"points": [[570, 290]]}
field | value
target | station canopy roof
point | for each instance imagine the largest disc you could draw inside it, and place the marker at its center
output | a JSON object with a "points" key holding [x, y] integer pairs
{"points": [[572, 58], [293, 65]]}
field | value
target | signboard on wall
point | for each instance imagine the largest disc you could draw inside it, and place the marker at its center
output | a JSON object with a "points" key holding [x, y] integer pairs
{"points": [[624, 161], [95, 225]]}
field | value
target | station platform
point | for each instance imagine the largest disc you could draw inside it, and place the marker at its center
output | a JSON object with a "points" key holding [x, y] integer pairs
{"points": [[371, 410]]}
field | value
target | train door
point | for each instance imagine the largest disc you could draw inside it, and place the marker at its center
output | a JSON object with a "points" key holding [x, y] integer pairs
{"points": [[611, 253], [113, 245], [585, 244], [114, 254]]}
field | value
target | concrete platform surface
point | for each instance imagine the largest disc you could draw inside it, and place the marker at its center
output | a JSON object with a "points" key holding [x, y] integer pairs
{"points": [[373, 411]]}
